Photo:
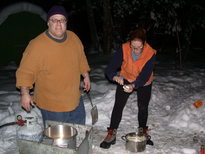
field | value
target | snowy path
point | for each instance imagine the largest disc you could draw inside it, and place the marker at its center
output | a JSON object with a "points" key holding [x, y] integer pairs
{"points": [[175, 129]]}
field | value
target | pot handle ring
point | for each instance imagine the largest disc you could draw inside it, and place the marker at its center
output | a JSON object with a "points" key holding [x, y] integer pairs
{"points": [[123, 138], [148, 137]]}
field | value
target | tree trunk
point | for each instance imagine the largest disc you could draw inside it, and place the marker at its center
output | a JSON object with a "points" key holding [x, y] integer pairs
{"points": [[107, 39], [95, 46], [179, 50]]}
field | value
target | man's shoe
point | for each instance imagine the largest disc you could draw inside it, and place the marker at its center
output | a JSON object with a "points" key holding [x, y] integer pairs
{"points": [[110, 139]]}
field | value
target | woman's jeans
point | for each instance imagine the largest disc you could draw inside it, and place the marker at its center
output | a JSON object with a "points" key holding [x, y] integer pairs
{"points": [[121, 97], [76, 116]]}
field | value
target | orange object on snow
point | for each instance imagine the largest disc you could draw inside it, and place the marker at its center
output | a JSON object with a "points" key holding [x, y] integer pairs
{"points": [[198, 104]]}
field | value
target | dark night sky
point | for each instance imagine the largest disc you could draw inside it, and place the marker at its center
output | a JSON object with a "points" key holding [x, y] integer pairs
{"points": [[79, 24]]}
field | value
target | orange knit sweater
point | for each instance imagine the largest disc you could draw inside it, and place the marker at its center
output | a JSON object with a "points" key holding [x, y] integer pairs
{"points": [[54, 68]]}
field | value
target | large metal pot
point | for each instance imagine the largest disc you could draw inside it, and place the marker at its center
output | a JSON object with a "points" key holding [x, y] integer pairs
{"points": [[62, 135], [135, 142]]}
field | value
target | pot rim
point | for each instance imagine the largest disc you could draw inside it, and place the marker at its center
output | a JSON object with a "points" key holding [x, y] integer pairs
{"points": [[136, 138], [47, 132]]}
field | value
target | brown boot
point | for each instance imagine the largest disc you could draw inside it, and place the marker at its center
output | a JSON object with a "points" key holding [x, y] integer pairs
{"points": [[109, 139], [145, 132]]}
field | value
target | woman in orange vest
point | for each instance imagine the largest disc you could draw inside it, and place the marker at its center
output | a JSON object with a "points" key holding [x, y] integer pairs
{"points": [[135, 59]]}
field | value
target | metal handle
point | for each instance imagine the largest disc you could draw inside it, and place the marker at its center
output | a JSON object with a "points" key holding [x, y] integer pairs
{"points": [[124, 138], [148, 137], [89, 97]]}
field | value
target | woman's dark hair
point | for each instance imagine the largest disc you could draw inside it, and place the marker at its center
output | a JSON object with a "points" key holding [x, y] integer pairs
{"points": [[139, 34]]}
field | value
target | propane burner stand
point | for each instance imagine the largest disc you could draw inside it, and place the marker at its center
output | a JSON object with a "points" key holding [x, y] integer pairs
{"points": [[45, 146]]}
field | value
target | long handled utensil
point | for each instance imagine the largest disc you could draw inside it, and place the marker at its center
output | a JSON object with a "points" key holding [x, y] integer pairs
{"points": [[94, 110]]}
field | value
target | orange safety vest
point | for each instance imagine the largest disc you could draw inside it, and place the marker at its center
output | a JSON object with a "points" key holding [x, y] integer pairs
{"points": [[130, 69]]}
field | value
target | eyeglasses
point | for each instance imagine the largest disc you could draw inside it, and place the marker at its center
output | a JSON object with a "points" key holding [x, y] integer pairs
{"points": [[63, 21], [134, 48]]}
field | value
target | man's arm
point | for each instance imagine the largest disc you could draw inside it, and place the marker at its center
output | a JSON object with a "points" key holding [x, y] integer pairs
{"points": [[26, 99], [86, 81]]}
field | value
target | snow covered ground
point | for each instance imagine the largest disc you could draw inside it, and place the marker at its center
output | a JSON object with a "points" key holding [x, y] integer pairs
{"points": [[175, 127]]}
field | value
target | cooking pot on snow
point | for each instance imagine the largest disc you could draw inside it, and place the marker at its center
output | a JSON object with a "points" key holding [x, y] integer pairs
{"points": [[62, 135], [135, 141]]}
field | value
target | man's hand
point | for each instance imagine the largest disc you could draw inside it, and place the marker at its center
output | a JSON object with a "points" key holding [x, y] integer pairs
{"points": [[86, 80], [26, 99]]}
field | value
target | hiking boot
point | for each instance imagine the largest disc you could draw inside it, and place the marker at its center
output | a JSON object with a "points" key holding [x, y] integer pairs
{"points": [[145, 132], [109, 139]]}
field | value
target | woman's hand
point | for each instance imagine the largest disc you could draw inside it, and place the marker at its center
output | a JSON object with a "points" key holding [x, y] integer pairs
{"points": [[118, 79], [128, 88]]}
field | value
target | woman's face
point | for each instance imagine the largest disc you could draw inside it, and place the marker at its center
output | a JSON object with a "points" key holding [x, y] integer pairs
{"points": [[136, 46]]}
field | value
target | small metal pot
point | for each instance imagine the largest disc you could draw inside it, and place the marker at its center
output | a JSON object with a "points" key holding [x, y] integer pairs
{"points": [[135, 142], [62, 135]]}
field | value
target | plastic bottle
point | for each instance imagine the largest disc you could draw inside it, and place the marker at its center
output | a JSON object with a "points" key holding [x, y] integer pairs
{"points": [[202, 149]]}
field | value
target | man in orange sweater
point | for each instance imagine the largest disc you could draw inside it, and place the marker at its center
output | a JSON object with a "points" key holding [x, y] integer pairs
{"points": [[135, 59], [52, 64]]}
